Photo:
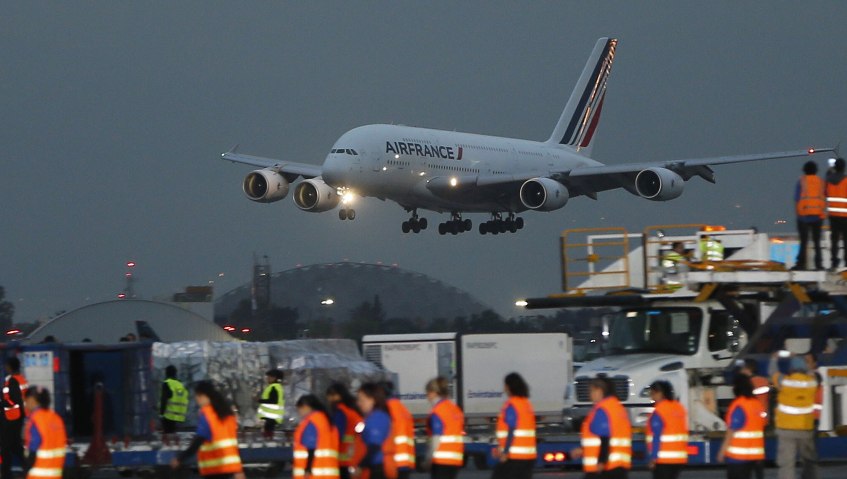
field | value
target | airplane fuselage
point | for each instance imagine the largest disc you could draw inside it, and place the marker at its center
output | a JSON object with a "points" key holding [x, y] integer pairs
{"points": [[396, 163]]}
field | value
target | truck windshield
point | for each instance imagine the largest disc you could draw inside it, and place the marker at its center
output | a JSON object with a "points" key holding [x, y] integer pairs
{"points": [[655, 330]]}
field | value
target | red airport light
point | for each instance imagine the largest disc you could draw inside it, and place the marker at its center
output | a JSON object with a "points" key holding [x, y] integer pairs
{"points": [[229, 328], [811, 151], [121, 295], [130, 264], [245, 330], [12, 332]]}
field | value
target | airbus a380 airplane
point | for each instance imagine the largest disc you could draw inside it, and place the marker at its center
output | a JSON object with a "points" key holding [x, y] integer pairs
{"points": [[446, 171]]}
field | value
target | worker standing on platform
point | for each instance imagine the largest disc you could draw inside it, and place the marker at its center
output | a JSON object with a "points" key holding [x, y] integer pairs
{"points": [[403, 431], [378, 462], [47, 441], [836, 208], [11, 442], [744, 442], [445, 428], [173, 404], [272, 402], [216, 442], [516, 451], [810, 203], [667, 432], [606, 434], [795, 418], [711, 249], [315, 442], [345, 416]]}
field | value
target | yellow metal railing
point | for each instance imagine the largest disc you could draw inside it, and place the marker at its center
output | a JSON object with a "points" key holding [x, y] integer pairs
{"points": [[585, 252]]}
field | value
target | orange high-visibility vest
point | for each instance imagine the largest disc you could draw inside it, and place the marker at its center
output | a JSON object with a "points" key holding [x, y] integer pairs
{"points": [[451, 443], [673, 443], [747, 443], [620, 437], [220, 455], [403, 432], [836, 198], [13, 411], [325, 460], [523, 445], [389, 465], [351, 448], [50, 457], [812, 201]]}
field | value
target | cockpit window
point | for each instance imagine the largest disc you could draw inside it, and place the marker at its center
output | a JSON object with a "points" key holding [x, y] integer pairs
{"points": [[343, 151]]}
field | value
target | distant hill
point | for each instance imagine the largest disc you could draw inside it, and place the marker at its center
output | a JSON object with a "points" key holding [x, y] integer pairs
{"points": [[402, 293]]}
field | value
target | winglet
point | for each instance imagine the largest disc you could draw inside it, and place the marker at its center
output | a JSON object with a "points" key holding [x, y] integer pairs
{"points": [[234, 149]]}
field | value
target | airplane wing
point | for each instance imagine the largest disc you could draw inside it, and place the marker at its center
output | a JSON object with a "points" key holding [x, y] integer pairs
{"points": [[288, 167], [590, 180]]}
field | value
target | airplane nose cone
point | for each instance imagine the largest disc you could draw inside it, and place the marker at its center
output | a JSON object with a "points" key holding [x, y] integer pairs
{"points": [[332, 173]]}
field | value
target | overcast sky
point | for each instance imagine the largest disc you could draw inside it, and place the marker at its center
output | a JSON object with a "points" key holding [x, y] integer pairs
{"points": [[114, 115]]}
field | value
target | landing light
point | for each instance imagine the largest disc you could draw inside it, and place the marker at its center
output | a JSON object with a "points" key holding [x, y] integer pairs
{"points": [[521, 303], [396, 156], [348, 197], [328, 302], [384, 168], [454, 181]]}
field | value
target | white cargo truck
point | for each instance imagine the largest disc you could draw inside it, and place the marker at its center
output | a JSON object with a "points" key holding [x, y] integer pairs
{"points": [[476, 365]]}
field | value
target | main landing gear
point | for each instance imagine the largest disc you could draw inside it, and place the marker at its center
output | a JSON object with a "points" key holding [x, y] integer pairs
{"points": [[415, 224], [347, 214], [455, 226], [497, 224]]}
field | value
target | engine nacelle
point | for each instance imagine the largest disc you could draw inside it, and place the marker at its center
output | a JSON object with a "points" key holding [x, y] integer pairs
{"points": [[659, 184], [543, 194], [265, 186], [315, 196]]}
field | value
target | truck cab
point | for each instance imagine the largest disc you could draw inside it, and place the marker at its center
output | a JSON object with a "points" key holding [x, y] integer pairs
{"points": [[684, 342]]}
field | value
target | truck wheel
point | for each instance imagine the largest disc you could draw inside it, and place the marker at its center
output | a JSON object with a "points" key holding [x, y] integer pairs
{"points": [[480, 462]]}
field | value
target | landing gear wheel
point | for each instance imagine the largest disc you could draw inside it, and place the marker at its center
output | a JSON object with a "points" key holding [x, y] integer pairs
{"points": [[416, 227], [423, 223], [442, 229], [483, 228], [468, 224], [351, 215], [342, 214], [501, 225], [454, 227], [406, 227], [519, 222], [513, 228]]}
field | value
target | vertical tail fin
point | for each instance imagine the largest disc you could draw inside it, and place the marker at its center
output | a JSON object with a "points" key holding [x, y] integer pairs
{"points": [[578, 122]]}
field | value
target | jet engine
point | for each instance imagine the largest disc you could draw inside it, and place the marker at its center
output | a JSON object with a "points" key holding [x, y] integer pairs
{"points": [[265, 186], [658, 184], [543, 194], [315, 196]]}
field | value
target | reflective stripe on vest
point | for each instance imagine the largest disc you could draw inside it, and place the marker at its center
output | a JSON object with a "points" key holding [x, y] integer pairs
{"points": [[673, 442], [796, 401], [747, 443], [219, 455], [352, 448], [620, 437], [13, 411], [276, 411], [837, 198], [523, 446], [325, 459], [403, 431], [177, 404], [50, 456]]}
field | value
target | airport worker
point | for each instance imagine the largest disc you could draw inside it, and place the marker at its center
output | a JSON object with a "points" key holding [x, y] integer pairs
{"points": [[606, 434], [216, 440], [673, 258], [315, 442], [345, 416], [761, 385], [667, 432], [378, 461], [810, 204], [836, 209], [403, 431], [173, 404], [711, 249], [794, 418], [445, 428], [11, 437], [516, 448], [812, 367], [743, 447], [47, 441], [272, 402]]}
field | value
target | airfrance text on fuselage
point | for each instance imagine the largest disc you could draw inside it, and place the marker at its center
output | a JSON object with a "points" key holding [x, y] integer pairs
{"points": [[404, 148]]}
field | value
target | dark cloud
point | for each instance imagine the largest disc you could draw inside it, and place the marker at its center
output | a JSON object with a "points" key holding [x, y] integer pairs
{"points": [[114, 114]]}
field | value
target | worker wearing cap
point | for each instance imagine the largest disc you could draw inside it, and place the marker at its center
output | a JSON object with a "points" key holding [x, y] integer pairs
{"points": [[795, 418], [810, 204], [667, 432], [272, 402], [606, 434], [711, 249], [173, 403], [836, 209]]}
